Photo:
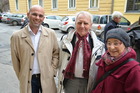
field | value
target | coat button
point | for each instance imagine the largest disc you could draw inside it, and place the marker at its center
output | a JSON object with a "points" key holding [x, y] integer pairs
{"points": [[61, 83], [32, 54], [28, 81], [68, 58], [30, 69], [63, 71], [100, 86]]}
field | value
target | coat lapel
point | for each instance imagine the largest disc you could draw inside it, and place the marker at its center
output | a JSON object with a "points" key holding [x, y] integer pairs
{"points": [[43, 36], [26, 36], [67, 42]]}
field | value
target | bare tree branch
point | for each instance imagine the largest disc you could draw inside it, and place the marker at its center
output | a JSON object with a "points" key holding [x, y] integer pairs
{"points": [[4, 5]]}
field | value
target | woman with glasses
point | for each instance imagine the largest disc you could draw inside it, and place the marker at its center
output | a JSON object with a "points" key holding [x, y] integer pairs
{"points": [[119, 56]]}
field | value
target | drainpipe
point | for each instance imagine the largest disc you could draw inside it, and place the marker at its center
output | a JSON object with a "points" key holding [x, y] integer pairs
{"points": [[112, 7], [139, 21]]}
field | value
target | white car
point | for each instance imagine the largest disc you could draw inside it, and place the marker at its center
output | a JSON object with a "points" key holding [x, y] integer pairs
{"points": [[52, 21], [67, 24]]}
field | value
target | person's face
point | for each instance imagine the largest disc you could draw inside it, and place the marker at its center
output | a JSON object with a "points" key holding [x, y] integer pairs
{"points": [[115, 47], [36, 16], [117, 20], [83, 24]]}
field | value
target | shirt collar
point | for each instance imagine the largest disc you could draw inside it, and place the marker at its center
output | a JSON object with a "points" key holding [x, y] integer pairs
{"points": [[39, 30]]}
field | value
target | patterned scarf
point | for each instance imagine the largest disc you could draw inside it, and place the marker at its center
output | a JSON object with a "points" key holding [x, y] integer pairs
{"points": [[108, 59], [70, 69]]}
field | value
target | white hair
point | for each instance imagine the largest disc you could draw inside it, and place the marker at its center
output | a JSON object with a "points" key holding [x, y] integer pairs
{"points": [[116, 14], [85, 13]]}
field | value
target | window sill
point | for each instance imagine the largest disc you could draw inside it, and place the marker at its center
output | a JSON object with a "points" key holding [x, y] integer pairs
{"points": [[133, 13], [71, 9], [93, 9], [54, 9]]}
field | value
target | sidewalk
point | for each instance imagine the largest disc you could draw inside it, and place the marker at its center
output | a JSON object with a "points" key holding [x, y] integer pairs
{"points": [[8, 79]]}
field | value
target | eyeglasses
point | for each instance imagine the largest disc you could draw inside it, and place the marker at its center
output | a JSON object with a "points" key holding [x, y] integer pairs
{"points": [[35, 14], [115, 44]]}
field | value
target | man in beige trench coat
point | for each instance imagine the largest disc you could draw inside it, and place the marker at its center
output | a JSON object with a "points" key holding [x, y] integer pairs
{"points": [[34, 51]]}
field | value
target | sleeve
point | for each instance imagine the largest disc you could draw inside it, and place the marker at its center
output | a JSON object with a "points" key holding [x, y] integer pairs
{"points": [[55, 55], [14, 55]]}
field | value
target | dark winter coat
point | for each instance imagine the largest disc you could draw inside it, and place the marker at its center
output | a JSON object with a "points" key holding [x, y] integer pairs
{"points": [[112, 24]]}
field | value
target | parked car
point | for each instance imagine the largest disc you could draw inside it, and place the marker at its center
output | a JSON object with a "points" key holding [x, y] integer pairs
{"points": [[134, 34], [135, 24], [99, 22], [52, 21], [5, 16], [16, 19], [67, 24], [0, 17]]}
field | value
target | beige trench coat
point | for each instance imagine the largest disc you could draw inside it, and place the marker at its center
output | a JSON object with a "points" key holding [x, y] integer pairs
{"points": [[22, 52]]}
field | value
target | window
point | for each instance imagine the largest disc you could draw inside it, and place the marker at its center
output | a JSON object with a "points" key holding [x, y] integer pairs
{"points": [[71, 3], [29, 4], [41, 3], [17, 4], [133, 6], [93, 3], [54, 2]]}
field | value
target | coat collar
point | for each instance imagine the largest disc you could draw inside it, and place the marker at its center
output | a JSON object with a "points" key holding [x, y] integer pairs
{"points": [[67, 42], [26, 36], [26, 32], [130, 54], [123, 69]]}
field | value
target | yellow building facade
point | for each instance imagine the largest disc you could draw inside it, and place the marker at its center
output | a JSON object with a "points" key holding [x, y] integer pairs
{"points": [[70, 7]]}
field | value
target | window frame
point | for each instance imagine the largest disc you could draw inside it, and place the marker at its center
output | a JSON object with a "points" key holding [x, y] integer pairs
{"points": [[17, 4], [54, 4], [133, 6], [29, 4], [40, 2], [71, 4], [95, 3]]}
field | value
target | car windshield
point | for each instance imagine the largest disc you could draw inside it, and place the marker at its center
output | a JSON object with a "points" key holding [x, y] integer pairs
{"points": [[58, 17], [103, 20], [124, 21], [17, 15], [20, 16], [50, 17], [65, 18]]}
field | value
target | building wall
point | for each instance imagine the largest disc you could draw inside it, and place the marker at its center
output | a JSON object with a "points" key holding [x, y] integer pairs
{"points": [[120, 5], [105, 7], [22, 6], [81, 5]]}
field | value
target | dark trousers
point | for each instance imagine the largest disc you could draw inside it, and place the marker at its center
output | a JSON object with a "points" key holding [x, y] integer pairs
{"points": [[36, 84]]}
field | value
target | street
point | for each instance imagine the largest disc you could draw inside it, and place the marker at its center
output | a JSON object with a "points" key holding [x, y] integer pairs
{"points": [[8, 79]]}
